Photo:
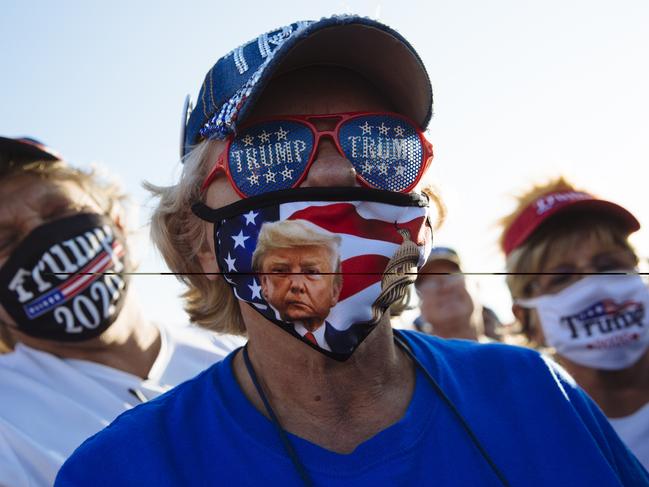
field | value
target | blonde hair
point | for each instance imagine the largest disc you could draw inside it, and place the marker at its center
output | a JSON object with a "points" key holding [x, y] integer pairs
{"points": [[180, 235], [436, 199], [555, 237], [288, 234], [105, 192]]}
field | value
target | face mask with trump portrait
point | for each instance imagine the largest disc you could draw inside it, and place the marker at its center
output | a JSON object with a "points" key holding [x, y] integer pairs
{"points": [[323, 264]]}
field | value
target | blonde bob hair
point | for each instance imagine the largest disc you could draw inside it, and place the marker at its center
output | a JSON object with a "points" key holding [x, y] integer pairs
{"points": [[180, 235]]}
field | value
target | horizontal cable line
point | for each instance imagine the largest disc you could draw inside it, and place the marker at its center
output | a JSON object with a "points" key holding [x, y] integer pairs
{"points": [[237, 273]]}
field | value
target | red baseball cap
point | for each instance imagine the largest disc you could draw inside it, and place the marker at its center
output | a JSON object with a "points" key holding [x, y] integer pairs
{"points": [[550, 204]]}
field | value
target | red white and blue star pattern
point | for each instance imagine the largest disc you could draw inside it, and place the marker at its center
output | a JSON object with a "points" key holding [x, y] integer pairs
{"points": [[369, 240], [270, 156], [385, 150], [70, 288]]}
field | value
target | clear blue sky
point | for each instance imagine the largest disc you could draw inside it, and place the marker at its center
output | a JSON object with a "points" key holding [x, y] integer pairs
{"points": [[523, 91]]}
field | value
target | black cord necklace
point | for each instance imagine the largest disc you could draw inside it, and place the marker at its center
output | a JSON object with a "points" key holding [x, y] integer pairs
{"points": [[398, 338]]}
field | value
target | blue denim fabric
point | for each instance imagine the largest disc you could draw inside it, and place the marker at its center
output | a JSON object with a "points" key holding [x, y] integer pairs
{"points": [[236, 80]]}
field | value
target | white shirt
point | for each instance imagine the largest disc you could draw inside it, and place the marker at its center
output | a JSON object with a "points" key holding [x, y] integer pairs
{"points": [[634, 431], [49, 405]]}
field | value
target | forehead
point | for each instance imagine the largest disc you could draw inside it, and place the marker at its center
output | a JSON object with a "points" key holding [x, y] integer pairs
{"points": [[300, 254], [25, 190], [441, 265], [436, 266], [581, 248], [25, 186], [319, 90]]}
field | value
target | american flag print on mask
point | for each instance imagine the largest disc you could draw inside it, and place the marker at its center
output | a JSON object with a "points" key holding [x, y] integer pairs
{"points": [[369, 236]]}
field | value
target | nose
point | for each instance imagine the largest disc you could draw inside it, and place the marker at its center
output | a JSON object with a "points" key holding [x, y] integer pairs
{"points": [[297, 284], [329, 167]]}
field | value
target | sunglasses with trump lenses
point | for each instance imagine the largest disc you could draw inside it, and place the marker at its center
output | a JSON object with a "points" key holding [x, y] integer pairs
{"points": [[388, 151]]}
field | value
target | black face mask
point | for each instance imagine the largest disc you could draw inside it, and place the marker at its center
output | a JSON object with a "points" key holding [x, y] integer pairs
{"points": [[66, 281]]}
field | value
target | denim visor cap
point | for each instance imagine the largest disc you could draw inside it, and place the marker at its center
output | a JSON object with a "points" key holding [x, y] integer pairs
{"points": [[363, 45]]}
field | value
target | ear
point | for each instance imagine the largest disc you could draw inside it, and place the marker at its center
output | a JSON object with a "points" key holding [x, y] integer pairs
{"points": [[263, 280], [117, 215], [335, 294], [118, 219], [207, 260], [531, 326]]}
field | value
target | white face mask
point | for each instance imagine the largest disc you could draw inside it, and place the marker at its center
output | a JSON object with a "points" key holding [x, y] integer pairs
{"points": [[599, 322]]}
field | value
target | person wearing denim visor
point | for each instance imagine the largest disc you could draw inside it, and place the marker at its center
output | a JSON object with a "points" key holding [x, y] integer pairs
{"points": [[577, 295], [322, 122]]}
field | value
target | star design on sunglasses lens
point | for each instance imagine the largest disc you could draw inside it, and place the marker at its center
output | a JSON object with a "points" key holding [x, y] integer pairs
{"points": [[250, 217], [253, 179], [366, 167], [230, 262], [264, 137], [248, 140], [400, 170], [399, 131], [366, 128], [255, 289], [240, 240], [270, 176], [287, 173], [383, 168], [383, 130], [281, 134]]}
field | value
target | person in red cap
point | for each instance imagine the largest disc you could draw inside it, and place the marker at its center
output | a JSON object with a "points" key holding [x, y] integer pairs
{"points": [[575, 289]]}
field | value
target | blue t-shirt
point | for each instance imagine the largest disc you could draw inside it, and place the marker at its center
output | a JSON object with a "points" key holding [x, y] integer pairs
{"points": [[534, 422]]}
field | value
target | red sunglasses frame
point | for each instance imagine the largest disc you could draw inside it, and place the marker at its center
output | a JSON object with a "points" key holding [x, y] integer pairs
{"points": [[222, 160]]}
